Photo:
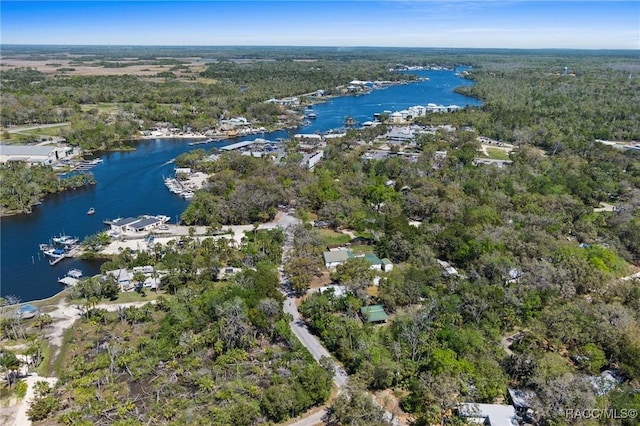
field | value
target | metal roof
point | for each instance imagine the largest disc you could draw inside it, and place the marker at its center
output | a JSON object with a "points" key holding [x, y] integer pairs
{"points": [[372, 259], [26, 150], [140, 224], [374, 313], [336, 256]]}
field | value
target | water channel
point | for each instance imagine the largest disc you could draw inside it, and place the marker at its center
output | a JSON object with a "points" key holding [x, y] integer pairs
{"points": [[131, 184]]}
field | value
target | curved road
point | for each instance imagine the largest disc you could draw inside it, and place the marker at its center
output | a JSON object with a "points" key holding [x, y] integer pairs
{"points": [[307, 339]]}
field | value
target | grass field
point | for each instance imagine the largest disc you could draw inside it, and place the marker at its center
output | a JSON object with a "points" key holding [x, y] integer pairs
{"points": [[362, 248], [334, 238], [497, 154]]}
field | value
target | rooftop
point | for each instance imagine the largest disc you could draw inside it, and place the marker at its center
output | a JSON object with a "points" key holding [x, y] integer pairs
{"points": [[491, 414], [374, 313], [336, 256]]}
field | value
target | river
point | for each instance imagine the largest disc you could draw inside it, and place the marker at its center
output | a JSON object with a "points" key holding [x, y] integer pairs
{"points": [[131, 183]]}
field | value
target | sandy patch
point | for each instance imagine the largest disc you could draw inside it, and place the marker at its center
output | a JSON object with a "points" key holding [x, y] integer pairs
{"points": [[64, 315]]}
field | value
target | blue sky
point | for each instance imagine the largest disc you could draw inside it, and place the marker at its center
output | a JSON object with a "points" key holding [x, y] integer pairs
{"points": [[425, 23]]}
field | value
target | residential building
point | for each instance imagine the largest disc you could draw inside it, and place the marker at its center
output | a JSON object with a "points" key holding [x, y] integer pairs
{"points": [[387, 265], [335, 258], [489, 414], [373, 314]]}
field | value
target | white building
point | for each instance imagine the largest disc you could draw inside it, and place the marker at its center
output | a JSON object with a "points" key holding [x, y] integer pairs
{"points": [[45, 154], [489, 414]]}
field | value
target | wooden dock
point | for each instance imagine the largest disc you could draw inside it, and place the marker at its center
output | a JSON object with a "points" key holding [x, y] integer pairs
{"points": [[73, 252]]}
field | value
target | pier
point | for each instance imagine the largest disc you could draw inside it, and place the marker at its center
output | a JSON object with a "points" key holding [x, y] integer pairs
{"points": [[72, 252]]}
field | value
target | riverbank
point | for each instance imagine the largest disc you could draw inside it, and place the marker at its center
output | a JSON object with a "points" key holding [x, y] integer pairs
{"points": [[130, 183]]}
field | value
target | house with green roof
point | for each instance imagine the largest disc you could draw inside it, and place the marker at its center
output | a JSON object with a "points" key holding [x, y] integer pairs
{"points": [[375, 262], [373, 314], [387, 265]]}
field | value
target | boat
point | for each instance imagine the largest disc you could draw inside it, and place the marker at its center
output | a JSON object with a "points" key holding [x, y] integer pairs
{"points": [[311, 115], [71, 278], [74, 273], [65, 240], [68, 242], [56, 253], [91, 211]]}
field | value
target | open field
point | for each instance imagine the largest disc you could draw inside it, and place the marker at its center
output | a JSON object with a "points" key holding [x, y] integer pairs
{"points": [[76, 66], [498, 153], [334, 238]]}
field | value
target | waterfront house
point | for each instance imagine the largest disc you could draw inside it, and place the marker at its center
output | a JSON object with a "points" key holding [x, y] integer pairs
{"points": [[396, 117]]}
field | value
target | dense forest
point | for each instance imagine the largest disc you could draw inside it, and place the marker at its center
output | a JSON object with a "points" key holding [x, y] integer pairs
{"points": [[21, 187], [537, 299]]}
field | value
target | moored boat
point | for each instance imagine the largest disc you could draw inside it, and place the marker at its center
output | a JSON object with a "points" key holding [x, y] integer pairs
{"points": [[74, 273], [65, 240], [54, 252], [71, 278]]}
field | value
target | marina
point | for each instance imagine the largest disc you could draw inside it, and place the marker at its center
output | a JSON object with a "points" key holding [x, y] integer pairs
{"points": [[178, 188], [86, 165], [61, 247]]}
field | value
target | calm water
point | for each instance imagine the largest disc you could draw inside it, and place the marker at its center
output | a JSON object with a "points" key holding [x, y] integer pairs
{"points": [[130, 184]]}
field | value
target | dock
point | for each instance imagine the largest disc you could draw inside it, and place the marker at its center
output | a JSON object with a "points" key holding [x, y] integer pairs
{"points": [[73, 252], [236, 145]]}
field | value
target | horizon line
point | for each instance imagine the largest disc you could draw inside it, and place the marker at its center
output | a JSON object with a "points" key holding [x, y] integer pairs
{"points": [[322, 46]]}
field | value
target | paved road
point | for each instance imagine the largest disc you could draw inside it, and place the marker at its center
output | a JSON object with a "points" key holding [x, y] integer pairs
{"points": [[311, 342], [307, 339], [18, 129]]}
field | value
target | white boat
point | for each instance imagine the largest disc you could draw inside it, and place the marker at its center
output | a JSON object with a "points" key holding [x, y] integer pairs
{"points": [[56, 253], [91, 211], [65, 240], [74, 273], [71, 278]]}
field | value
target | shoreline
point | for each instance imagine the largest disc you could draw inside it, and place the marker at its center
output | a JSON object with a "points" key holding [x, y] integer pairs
{"points": [[235, 233]]}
